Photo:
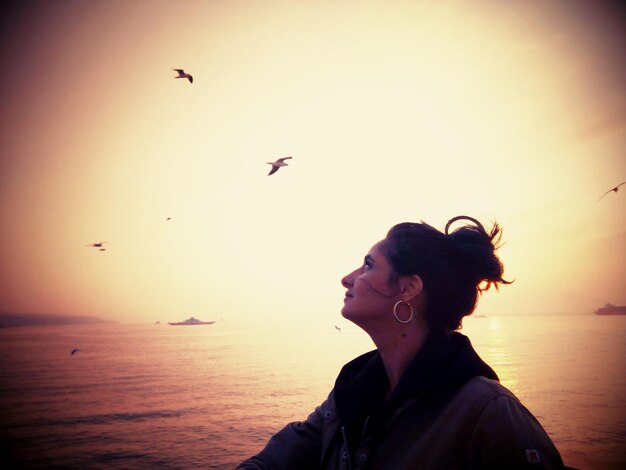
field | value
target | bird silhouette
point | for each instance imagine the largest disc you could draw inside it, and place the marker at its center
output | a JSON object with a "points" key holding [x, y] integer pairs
{"points": [[97, 245], [74, 351], [182, 74], [337, 328], [169, 218], [277, 164], [615, 189]]}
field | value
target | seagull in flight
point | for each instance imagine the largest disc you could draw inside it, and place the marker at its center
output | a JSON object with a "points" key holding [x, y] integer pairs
{"points": [[277, 164], [182, 74], [74, 351], [97, 245], [615, 189]]}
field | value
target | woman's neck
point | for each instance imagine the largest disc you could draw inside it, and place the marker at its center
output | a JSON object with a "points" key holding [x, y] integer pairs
{"points": [[398, 347]]}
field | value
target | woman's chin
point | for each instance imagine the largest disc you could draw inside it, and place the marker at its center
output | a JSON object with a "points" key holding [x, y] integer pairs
{"points": [[345, 313], [350, 316]]}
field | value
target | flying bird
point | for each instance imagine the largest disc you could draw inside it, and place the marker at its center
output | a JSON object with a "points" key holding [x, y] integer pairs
{"points": [[182, 74], [337, 328], [169, 218], [615, 189], [97, 245], [277, 164], [74, 351]]}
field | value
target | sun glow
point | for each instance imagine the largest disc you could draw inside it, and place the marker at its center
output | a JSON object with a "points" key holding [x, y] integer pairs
{"points": [[392, 112]]}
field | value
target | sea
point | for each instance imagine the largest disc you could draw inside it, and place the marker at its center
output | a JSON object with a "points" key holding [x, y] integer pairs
{"points": [[190, 397]]}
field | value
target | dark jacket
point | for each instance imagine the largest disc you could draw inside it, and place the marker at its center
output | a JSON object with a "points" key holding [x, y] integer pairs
{"points": [[447, 412]]}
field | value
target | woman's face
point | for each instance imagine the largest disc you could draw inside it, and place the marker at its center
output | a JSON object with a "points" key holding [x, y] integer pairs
{"points": [[370, 296]]}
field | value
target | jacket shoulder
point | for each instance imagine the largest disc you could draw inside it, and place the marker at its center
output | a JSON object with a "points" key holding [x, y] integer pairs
{"points": [[505, 433], [487, 388]]}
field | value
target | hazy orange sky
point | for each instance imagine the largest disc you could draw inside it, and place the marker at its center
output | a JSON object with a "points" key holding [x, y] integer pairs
{"points": [[393, 111]]}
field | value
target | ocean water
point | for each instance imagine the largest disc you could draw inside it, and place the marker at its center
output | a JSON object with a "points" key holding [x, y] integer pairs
{"points": [[155, 396]]}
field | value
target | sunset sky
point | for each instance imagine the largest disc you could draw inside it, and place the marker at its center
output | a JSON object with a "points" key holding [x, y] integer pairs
{"points": [[392, 111]]}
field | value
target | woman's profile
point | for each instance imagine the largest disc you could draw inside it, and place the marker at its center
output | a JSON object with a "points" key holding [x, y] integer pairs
{"points": [[423, 398]]}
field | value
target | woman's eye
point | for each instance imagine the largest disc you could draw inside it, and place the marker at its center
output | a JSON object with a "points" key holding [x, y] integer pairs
{"points": [[366, 266]]}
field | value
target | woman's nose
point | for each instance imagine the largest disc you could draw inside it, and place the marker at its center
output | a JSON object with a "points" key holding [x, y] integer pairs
{"points": [[348, 280]]}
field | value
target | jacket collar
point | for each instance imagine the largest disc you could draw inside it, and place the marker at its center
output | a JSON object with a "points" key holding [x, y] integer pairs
{"points": [[443, 364]]}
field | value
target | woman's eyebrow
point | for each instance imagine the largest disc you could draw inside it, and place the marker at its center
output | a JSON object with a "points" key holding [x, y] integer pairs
{"points": [[368, 259]]}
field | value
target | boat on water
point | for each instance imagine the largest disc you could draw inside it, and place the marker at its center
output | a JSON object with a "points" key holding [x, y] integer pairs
{"points": [[192, 321], [610, 309]]}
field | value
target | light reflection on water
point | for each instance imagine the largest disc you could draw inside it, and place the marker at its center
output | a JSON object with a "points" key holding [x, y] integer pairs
{"points": [[494, 348], [206, 397]]}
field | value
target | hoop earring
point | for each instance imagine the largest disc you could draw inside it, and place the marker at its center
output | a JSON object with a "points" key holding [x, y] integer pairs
{"points": [[395, 311]]}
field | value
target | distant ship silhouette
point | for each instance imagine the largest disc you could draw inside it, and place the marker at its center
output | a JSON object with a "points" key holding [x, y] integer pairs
{"points": [[191, 321], [610, 309]]}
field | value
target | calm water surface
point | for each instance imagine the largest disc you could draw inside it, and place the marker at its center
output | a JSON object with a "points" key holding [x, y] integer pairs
{"points": [[166, 397]]}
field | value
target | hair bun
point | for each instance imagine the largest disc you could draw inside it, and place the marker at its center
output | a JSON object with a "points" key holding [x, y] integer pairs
{"points": [[476, 251]]}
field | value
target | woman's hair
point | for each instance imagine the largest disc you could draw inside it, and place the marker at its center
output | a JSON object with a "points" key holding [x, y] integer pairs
{"points": [[454, 266]]}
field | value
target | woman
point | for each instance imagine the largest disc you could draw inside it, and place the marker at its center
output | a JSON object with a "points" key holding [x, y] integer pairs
{"points": [[423, 399]]}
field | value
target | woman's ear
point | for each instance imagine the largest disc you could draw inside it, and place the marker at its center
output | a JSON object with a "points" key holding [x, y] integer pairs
{"points": [[411, 286]]}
